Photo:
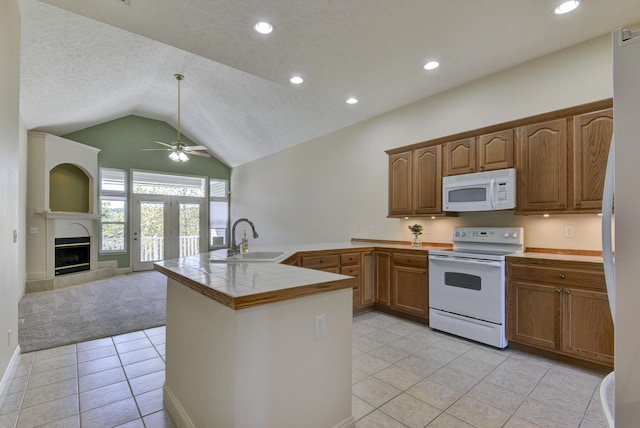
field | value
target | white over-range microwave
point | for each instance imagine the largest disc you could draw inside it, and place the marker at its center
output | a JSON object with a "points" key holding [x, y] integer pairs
{"points": [[481, 191]]}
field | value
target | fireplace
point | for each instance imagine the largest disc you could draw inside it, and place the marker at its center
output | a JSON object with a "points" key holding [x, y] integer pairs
{"points": [[72, 255]]}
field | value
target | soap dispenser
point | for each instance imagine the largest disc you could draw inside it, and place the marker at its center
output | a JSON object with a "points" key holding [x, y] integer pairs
{"points": [[245, 243]]}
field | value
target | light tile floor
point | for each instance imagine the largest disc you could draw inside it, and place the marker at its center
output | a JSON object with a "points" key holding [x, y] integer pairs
{"points": [[116, 381], [404, 375], [407, 375]]}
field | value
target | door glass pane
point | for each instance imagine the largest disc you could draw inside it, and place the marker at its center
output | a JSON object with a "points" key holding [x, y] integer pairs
{"points": [[151, 231], [189, 229]]}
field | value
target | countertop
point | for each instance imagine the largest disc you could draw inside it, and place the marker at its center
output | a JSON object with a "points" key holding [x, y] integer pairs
{"points": [[240, 284]]}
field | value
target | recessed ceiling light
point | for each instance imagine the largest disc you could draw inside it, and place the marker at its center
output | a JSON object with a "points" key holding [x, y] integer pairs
{"points": [[352, 100], [566, 7], [431, 65], [263, 27], [296, 80]]}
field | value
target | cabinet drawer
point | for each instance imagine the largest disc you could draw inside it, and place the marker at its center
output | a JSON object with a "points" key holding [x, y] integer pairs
{"points": [[350, 270], [350, 259], [559, 276], [320, 262], [413, 260]]}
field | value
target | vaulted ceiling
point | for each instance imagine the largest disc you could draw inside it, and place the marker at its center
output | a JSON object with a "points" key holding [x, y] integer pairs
{"points": [[85, 62]]}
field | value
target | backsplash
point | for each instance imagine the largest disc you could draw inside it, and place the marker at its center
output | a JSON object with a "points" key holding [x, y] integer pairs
{"points": [[539, 231]]}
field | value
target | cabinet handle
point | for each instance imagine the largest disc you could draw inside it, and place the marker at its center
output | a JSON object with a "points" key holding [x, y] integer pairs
{"points": [[482, 167], [561, 205], [567, 291], [578, 203], [558, 290], [561, 276]]}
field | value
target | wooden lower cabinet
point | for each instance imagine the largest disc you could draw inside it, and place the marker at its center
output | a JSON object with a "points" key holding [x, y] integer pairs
{"points": [[382, 274], [410, 284], [359, 264], [560, 306]]}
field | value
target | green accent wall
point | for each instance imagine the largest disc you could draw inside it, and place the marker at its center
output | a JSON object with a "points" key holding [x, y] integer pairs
{"points": [[122, 142]]}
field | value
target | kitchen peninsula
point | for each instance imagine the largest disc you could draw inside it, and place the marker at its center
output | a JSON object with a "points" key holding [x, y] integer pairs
{"points": [[242, 346]]}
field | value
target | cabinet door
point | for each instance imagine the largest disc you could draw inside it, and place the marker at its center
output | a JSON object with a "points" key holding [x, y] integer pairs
{"points": [[382, 262], [591, 141], [535, 315], [542, 182], [587, 325], [427, 180], [400, 178], [367, 288], [410, 290], [495, 151], [460, 157]]}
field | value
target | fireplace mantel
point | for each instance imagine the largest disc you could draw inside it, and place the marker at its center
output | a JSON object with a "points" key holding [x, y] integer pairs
{"points": [[67, 215]]}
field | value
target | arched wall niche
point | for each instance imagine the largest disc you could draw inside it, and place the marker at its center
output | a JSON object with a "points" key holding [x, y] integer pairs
{"points": [[70, 189]]}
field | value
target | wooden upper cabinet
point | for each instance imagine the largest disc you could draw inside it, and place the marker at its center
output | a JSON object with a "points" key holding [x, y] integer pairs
{"points": [[542, 181], [495, 151], [460, 157], [415, 182], [400, 183], [479, 154], [427, 182], [592, 134]]}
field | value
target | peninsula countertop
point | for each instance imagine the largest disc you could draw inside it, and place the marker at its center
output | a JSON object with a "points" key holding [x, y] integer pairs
{"points": [[238, 284]]}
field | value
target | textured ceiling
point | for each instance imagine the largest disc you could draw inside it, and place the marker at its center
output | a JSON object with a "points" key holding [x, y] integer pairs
{"points": [[85, 62]]}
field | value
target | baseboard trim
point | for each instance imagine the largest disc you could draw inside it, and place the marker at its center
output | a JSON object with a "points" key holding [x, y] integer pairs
{"points": [[175, 409], [347, 423], [8, 375]]}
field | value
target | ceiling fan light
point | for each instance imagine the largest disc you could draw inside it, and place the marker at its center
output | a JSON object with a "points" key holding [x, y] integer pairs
{"points": [[174, 156], [182, 157]]}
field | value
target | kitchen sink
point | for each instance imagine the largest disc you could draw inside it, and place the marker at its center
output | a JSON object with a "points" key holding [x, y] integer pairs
{"points": [[256, 256]]}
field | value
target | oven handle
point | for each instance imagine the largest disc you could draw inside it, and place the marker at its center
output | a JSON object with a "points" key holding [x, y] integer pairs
{"points": [[490, 263]]}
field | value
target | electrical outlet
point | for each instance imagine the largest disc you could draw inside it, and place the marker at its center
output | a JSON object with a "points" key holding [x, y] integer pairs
{"points": [[33, 230], [427, 230], [321, 326], [373, 228], [568, 232]]}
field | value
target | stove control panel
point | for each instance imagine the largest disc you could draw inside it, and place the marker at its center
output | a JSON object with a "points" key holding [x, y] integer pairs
{"points": [[496, 235]]}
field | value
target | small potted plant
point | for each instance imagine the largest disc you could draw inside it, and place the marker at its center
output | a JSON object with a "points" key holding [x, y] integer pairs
{"points": [[416, 229]]}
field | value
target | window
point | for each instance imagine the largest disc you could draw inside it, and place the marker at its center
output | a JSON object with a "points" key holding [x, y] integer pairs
{"points": [[218, 212], [152, 183], [113, 210]]}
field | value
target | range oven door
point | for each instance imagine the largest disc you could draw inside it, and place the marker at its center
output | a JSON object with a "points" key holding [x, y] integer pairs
{"points": [[470, 287]]}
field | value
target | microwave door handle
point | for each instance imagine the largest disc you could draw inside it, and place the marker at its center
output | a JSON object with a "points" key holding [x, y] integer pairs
{"points": [[491, 193]]}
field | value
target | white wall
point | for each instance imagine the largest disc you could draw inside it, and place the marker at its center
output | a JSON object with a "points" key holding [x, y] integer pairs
{"points": [[12, 212], [334, 188]]}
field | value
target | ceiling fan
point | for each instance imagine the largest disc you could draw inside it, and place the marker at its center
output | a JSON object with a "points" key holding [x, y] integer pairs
{"points": [[178, 150]]}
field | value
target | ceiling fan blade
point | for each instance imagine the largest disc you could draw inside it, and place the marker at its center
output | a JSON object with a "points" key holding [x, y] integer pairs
{"points": [[204, 155], [190, 148], [165, 144], [153, 150]]}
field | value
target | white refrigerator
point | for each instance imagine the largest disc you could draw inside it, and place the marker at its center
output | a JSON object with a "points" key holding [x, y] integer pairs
{"points": [[623, 277]]}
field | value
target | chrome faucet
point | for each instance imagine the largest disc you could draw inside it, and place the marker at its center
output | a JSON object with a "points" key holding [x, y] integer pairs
{"points": [[234, 246]]}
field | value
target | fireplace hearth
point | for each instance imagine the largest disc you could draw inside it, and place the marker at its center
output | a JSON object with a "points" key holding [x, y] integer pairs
{"points": [[72, 255]]}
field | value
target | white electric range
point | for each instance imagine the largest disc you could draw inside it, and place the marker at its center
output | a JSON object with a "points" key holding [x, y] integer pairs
{"points": [[467, 284]]}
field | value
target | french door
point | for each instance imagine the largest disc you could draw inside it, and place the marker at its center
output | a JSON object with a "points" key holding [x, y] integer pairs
{"points": [[166, 227]]}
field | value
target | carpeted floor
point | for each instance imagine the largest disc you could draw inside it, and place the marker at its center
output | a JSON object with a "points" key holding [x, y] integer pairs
{"points": [[102, 308]]}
